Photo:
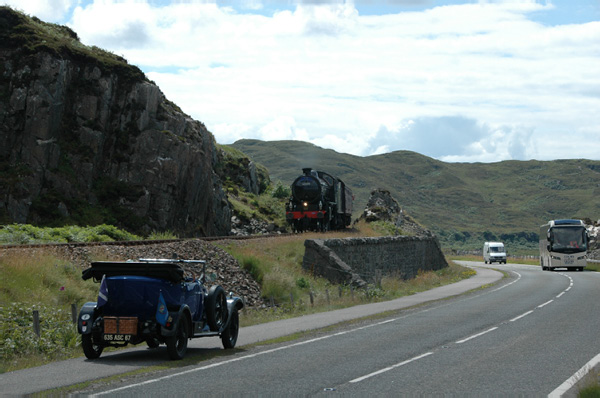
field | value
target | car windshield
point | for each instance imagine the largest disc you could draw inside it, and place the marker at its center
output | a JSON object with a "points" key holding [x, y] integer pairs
{"points": [[497, 249], [568, 240]]}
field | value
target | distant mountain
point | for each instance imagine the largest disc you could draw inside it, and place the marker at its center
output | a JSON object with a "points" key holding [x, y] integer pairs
{"points": [[463, 203]]}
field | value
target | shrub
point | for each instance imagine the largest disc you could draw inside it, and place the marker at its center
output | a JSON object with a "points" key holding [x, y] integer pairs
{"points": [[276, 286], [252, 265], [28, 234], [302, 283], [281, 192], [57, 333]]}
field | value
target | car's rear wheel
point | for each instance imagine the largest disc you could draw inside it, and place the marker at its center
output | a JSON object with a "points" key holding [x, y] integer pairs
{"points": [[177, 344], [91, 350], [216, 308], [230, 334]]}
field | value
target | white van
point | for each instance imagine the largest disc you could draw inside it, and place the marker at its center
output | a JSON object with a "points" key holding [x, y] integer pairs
{"points": [[494, 252]]}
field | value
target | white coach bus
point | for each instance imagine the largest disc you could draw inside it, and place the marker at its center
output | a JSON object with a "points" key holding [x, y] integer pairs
{"points": [[563, 244]]}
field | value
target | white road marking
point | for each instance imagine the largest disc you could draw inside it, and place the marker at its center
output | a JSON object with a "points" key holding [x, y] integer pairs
{"points": [[359, 379], [570, 382], [476, 335], [214, 365], [545, 304], [521, 316], [508, 284]]}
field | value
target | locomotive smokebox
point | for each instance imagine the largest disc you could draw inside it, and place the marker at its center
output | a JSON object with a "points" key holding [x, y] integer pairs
{"points": [[319, 202]]}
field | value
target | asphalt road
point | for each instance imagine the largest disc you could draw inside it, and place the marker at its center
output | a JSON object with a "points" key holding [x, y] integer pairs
{"points": [[73, 371], [524, 336]]}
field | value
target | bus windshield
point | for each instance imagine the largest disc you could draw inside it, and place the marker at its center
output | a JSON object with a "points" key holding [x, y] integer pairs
{"points": [[568, 240]]}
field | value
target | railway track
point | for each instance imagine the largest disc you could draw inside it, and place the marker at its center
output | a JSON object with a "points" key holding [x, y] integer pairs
{"points": [[136, 242]]}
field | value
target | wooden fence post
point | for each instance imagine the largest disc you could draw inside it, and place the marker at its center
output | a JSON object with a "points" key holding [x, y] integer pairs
{"points": [[327, 295], [74, 313], [36, 322], [312, 299]]}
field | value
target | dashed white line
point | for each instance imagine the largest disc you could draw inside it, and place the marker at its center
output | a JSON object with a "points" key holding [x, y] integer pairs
{"points": [[508, 284], [521, 316], [359, 379], [476, 335], [545, 304], [338, 334]]}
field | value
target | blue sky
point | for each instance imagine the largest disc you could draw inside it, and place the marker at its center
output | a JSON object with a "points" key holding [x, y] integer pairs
{"points": [[460, 81]]}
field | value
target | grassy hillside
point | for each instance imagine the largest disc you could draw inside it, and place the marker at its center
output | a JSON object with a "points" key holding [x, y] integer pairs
{"points": [[463, 203]]}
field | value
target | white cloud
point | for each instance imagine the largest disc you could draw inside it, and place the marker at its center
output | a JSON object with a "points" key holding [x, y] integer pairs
{"points": [[282, 128], [470, 82], [46, 10]]}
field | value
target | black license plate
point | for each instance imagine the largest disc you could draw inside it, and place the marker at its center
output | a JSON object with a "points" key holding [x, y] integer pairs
{"points": [[117, 337]]}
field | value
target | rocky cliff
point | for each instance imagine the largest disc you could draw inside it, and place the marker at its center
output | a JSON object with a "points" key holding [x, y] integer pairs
{"points": [[381, 206], [86, 138]]}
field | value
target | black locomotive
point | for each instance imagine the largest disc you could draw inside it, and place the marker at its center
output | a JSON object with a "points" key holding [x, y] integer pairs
{"points": [[319, 202]]}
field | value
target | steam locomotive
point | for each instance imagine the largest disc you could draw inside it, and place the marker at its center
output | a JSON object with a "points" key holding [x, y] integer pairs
{"points": [[319, 202]]}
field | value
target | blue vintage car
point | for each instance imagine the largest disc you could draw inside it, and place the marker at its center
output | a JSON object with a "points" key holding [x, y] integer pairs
{"points": [[153, 301]]}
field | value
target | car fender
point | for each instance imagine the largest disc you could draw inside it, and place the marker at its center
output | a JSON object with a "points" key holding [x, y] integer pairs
{"points": [[233, 303], [184, 310], [86, 318]]}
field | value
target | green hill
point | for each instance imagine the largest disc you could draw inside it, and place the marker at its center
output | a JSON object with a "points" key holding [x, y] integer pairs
{"points": [[463, 203]]}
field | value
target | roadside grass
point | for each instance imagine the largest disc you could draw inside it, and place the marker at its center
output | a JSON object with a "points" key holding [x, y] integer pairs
{"points": [[514, 260], [591, 391], [38, 279], [593, 267], [290, 291], [21, 234], [589, 384]]}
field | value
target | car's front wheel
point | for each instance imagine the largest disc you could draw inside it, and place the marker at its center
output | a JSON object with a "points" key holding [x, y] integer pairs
{"points": [[91, 350], [230, 334], [216, 308], [177, 344]]}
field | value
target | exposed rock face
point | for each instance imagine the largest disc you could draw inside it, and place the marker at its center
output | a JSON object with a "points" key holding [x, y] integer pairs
{"points": [[87, 139], [383, 207], [243, 172], [253, 226]]}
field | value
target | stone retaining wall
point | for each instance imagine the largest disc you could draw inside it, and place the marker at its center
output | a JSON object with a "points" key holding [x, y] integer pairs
{"points": [[360, 261]]}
